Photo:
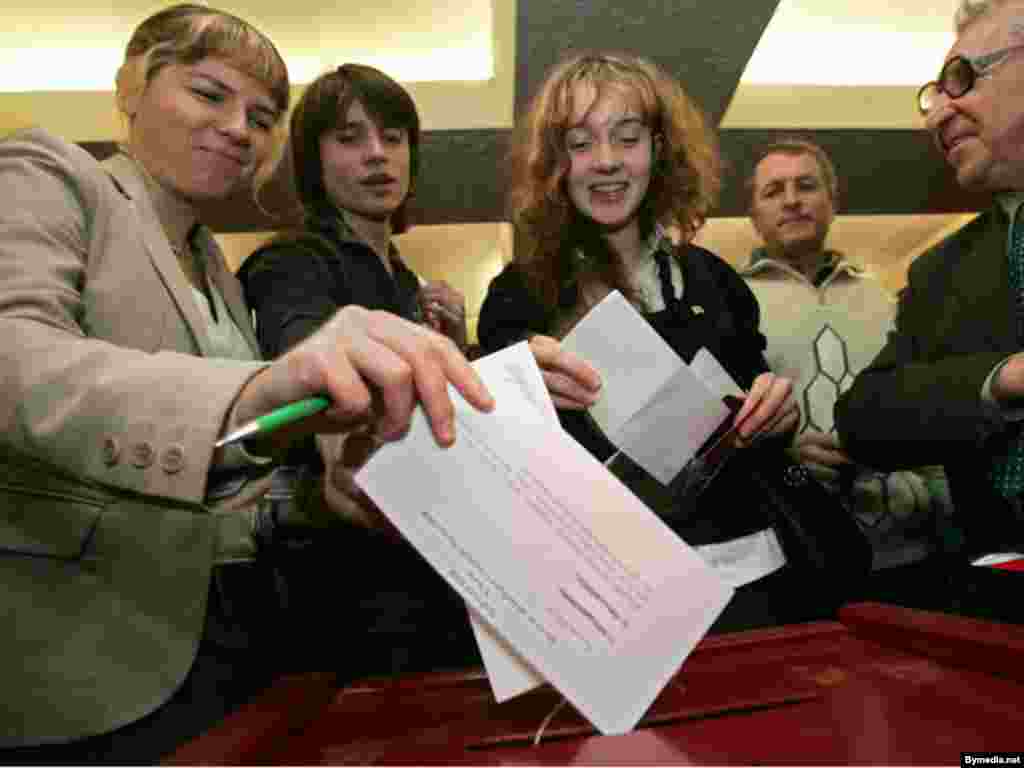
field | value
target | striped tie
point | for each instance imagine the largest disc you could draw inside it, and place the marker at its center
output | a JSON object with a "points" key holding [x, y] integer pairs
{"points": [[1008, 470]]}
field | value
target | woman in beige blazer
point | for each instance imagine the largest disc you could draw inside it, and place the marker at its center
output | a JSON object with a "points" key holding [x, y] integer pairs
{"points": [[127, 352]]}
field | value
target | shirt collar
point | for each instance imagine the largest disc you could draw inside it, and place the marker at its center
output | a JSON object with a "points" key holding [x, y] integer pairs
{"points": [[336, 226], [658, 241], [1011, 202], [833, 263]]}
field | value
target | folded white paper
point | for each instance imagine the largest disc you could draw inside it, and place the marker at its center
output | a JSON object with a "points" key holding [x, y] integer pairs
{"points": [[713, 375], [652, 407], [569, 568]]}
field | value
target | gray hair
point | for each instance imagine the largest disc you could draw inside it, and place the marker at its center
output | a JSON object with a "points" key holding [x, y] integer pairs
{"points": [[969, 11]]}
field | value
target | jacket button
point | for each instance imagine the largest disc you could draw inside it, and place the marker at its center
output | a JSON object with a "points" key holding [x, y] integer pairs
{"points": [[111, 451], [142, 455], [172, 460]]}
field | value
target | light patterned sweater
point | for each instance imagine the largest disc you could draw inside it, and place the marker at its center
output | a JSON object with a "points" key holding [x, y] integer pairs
{"points": [[821, 334]]}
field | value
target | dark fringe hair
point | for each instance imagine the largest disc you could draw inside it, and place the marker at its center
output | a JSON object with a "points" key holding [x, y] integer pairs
{"points": [[323, 104]]}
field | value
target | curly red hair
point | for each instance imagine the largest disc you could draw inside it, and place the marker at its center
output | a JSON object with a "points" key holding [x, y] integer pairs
{"points": [[684, 183]]}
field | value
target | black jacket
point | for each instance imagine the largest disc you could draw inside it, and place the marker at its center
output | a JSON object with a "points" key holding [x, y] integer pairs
{"points": [[296, 282], [919, 402]]}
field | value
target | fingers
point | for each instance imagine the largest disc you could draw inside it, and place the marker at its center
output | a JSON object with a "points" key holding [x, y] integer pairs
{"points": [[346, 500], [571, 381], [343, 455], [815, 447], [815, 454], [430, 363], [821, 439], [313, 368], [390, 379], [566, 393], [787, 420], [442, 291], [767, 409], [433, 321], [1008, 383], [376, 367], [444, 310], [438, 297]]}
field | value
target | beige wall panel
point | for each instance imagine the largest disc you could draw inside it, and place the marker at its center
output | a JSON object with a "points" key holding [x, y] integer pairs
{"points": [[468, 256], [238, 245], [821, 106], [447, 105]]}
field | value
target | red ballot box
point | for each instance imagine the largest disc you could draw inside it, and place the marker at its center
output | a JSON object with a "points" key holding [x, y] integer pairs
{"points": [[883, 685]]}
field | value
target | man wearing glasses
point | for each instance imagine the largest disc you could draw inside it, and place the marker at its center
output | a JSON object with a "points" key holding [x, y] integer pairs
{"points": [[948, 387]]}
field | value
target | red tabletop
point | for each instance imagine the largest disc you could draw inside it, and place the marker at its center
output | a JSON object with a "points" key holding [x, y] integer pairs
{"points": [[884, 685]]}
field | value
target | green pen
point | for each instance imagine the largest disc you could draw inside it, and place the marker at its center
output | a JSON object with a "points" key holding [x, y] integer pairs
{"points": [[275, 419]]}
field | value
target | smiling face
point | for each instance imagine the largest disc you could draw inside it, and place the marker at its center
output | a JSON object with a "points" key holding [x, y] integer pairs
{"points": [[366, 168], [610, 150], [792, 207], [981, 134], [202, 129]]}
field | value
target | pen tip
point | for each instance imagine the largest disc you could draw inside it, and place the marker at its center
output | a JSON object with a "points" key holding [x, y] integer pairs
{"points": [[238, 434]]}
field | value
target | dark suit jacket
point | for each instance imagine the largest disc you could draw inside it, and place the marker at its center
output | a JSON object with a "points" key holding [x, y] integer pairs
{"points": [[108, 417], [920, 401]]}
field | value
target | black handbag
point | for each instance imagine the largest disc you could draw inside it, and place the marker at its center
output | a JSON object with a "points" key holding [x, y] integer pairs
{"points": [[816, 531]]}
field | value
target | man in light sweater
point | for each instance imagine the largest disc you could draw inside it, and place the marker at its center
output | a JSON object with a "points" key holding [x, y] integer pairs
{"points": [[826, 318]]}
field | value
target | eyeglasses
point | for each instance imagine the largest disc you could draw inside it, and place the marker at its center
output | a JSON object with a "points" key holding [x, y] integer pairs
{"points": [[958, 76]]}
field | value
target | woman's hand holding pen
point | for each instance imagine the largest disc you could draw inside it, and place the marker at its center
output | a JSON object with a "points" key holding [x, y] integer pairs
{"points": [[767, 410], [444, 310], [571, 381], [375, 367]]}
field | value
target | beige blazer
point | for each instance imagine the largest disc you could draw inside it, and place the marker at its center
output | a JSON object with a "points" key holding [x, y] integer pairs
{"points": [[108, 420]]}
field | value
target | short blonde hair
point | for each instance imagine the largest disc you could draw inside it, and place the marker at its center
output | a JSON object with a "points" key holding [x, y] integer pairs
{"points": [[185, 34], [969, 11]]}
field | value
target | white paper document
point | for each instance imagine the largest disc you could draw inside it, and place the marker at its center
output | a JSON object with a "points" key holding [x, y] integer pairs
{"points": [[566, 566], [746, 559], [512, 376], [508, 673], [653, 407], [713, 375]]}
